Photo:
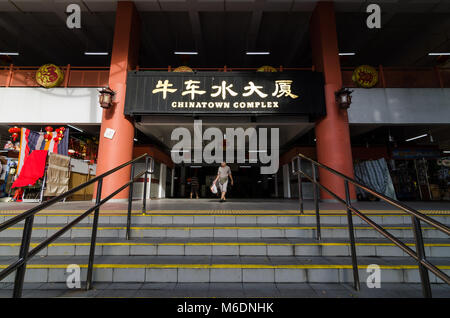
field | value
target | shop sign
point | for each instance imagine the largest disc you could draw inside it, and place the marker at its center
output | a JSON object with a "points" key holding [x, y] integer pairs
{"points": [[365, 76], [220, 92], [415, 154], [49, 75]]}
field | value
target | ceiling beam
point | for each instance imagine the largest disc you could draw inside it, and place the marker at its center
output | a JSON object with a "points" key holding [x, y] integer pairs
{"points": [[194, 18], [255, 24]]}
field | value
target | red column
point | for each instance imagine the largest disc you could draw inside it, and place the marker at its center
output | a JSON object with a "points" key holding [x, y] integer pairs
{"points": [[332, 131], [124, 56]]}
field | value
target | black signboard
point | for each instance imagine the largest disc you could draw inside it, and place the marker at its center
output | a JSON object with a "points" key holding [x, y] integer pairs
{"points": [[150, 92]]}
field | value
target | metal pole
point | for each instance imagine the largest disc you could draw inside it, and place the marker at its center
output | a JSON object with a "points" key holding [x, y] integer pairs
{"points": [[130, 202], [316, 200], [352, 238], [420, 250], [41, 195], [94, 236], [299, 182], [144, 195], [23, 254]]}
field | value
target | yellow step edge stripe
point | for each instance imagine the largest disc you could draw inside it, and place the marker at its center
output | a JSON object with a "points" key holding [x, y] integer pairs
{"points": [[221, 266], [226, 228], [225, 244]]}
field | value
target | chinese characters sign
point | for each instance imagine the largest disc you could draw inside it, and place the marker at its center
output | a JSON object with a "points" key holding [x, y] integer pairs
{"points": [[234, 92]]}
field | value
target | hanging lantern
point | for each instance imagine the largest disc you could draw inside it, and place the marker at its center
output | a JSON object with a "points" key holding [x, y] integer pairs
{"points": [[14, 131], [343, 98], [48, 137], [106, 97], [49, 129]]}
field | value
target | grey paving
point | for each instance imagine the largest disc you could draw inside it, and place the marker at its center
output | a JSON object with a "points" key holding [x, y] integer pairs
{"points": [[224, 290]]}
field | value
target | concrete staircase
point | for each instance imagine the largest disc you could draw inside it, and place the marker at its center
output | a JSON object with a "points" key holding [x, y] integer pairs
{"points": [[221, 246]]}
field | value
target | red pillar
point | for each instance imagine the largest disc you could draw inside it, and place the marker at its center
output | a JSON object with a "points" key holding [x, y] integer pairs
{"points": [[124, 56], [332, 132]]}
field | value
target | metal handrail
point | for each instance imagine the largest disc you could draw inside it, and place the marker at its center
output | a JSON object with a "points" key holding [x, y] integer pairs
{"points": [[416, 216], [25, 254]]}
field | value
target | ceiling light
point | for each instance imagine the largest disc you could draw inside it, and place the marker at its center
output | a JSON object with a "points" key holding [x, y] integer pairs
{"points": [[347, 54], [135, 139], [446, 151], [186, 53], [9, 53], [417, 137], [439, 54], [245, 167], [96, 53], [195, 166], [76, 128], [258, 53]]}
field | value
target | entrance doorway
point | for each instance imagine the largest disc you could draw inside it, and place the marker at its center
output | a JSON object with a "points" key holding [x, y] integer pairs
{"points": [[248, 181]]}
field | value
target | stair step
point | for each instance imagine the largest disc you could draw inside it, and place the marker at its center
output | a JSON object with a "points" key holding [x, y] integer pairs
{"points": [[224, 230], [225, 269], [223, 247], [219, 218]]}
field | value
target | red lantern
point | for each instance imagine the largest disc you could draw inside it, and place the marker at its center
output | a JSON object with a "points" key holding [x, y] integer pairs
{"points": [[56, 139], [49, 129], [47, 137], [14, 131]]}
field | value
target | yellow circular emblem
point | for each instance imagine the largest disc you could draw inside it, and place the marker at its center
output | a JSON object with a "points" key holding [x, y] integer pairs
{"points": [[266, 68], [49, 75], [365, 76], [183, 69]]}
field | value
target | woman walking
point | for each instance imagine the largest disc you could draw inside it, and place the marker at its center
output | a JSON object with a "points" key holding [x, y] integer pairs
{"points": [[222, 176]]}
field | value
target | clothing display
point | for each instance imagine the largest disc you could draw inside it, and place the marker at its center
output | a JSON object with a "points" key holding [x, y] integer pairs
{"points": [[58, 175], [32, 140], [32, 169], [374, 174]]}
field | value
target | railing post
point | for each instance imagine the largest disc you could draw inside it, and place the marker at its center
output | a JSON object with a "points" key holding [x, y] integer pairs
{"points": [[352, 238], [299, 182], [316, 200], [94, 236], [23, 254], [420, 250], [144, 194], [130, 201]]}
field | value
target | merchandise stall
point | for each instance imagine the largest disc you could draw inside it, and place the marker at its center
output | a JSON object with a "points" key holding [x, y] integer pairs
{"points": [[40, 165]]}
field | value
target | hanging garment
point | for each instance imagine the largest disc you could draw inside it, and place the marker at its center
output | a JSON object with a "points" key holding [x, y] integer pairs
{"points": [[375, 175], [32, 169], [33, 140], [57, 175]]}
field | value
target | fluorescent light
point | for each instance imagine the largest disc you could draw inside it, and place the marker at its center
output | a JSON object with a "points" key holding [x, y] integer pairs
{"points": [[180, 150], [446, 151], [439, 54], [9, 53], [258, 53], [135, 139], [96, 53], [417, 137], [257, 151], [185, 53], [347, 54], [76, 128], [244, 167], [195, 166]]}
